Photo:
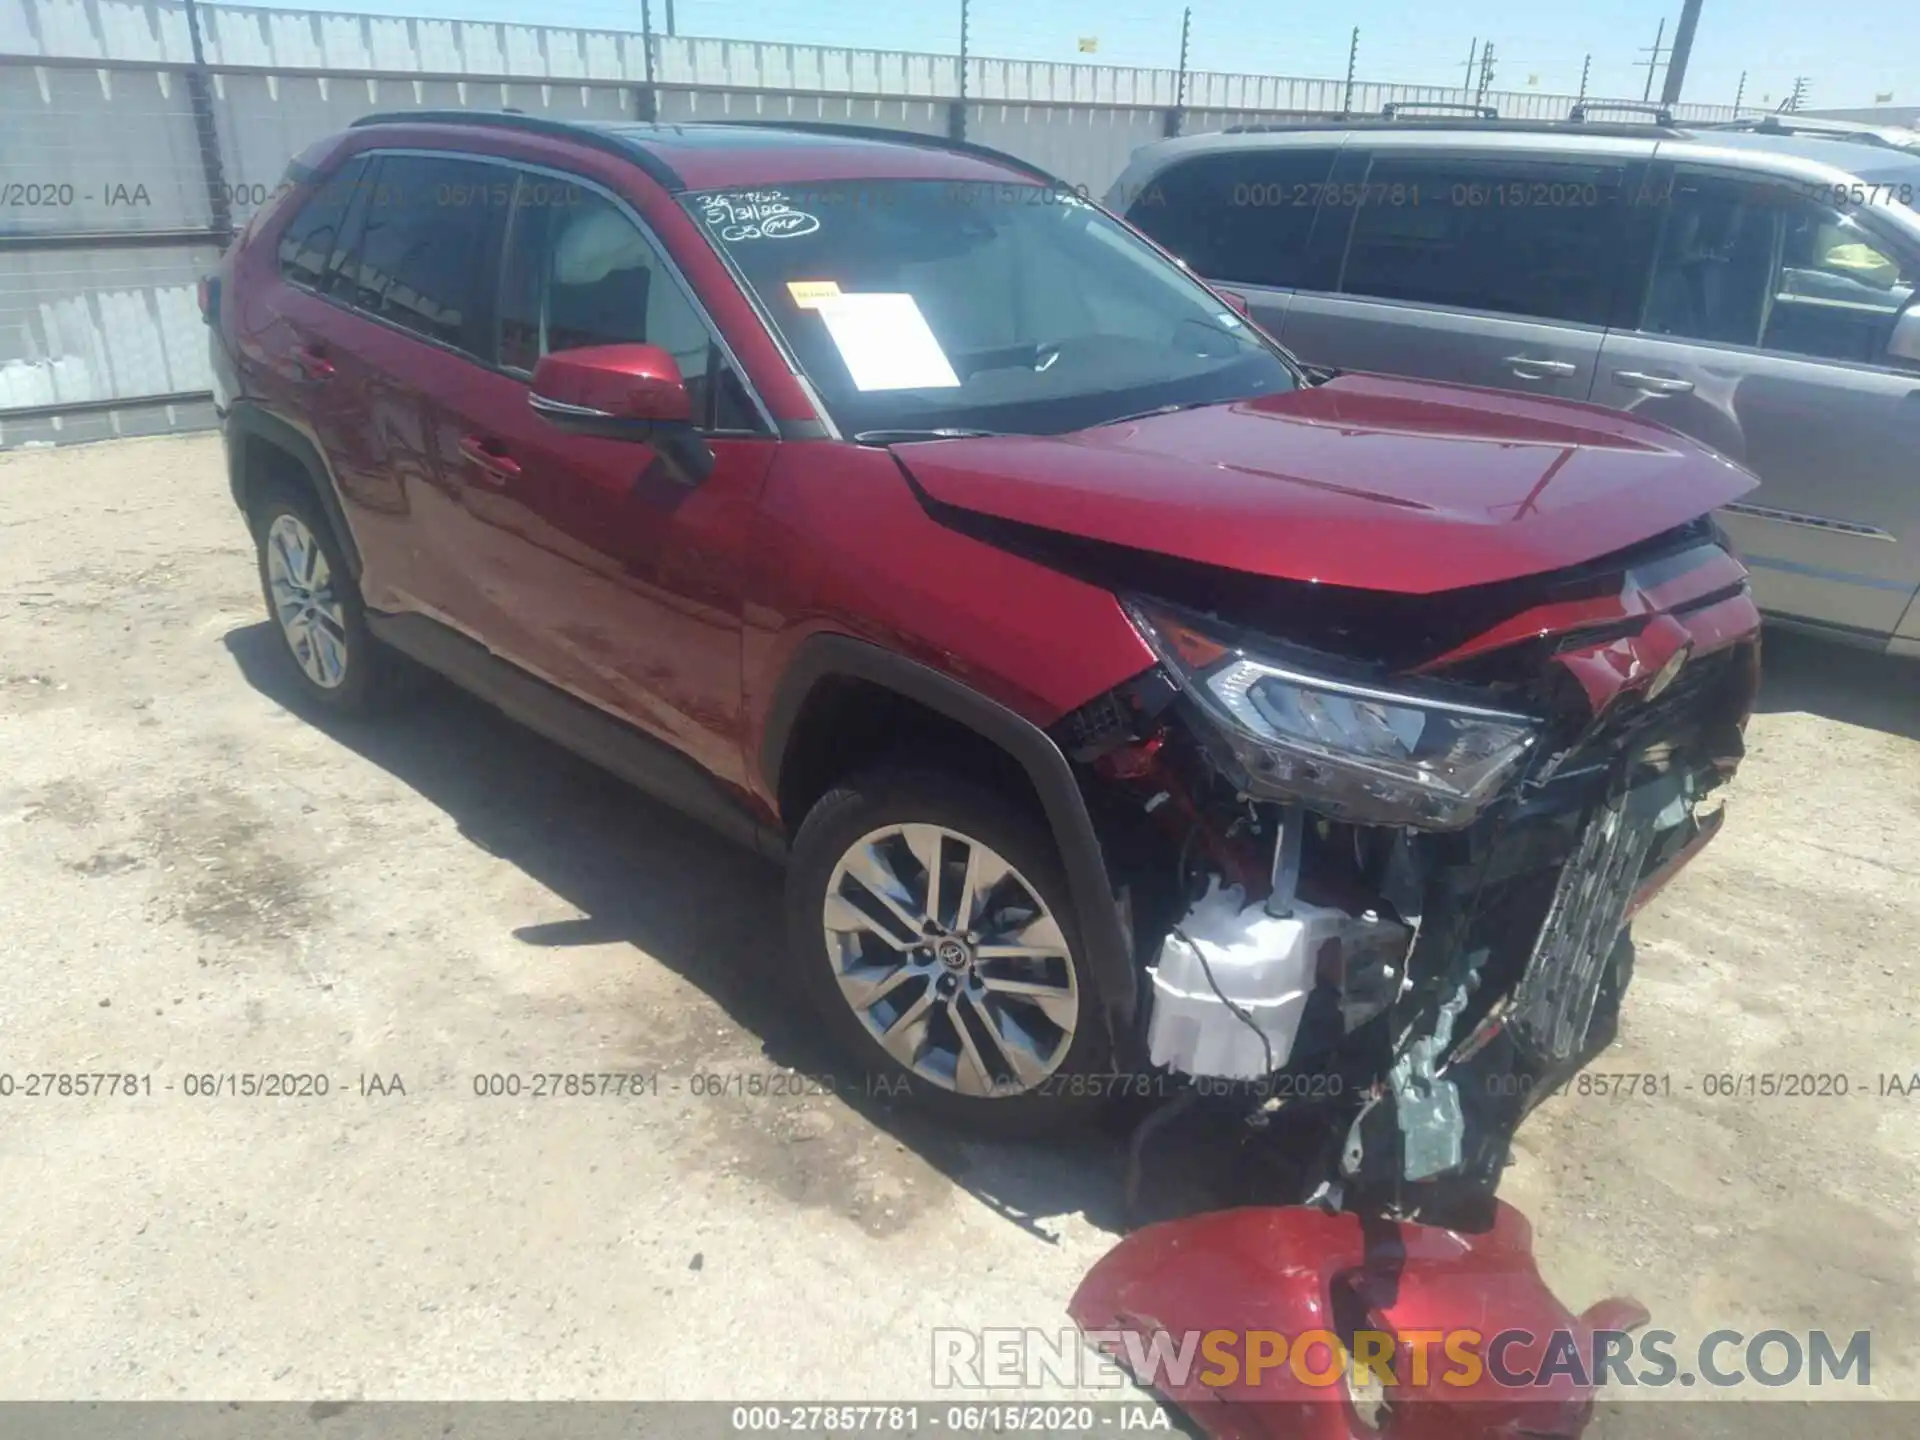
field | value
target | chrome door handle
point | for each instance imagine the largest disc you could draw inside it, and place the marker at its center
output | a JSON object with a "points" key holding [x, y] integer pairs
{"points": [[1528, 368], [1652, 384]]}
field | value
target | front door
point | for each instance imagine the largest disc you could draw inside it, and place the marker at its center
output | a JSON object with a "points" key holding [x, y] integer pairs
{"points": [[594, 566], [1764, 334]]}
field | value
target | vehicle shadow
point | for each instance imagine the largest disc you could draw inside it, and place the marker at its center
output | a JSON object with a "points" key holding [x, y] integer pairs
{"points": [[642, 874], [1800, 673]]}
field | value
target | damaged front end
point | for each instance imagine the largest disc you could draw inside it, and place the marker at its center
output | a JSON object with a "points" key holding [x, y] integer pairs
{"points": [[1383, 904]]}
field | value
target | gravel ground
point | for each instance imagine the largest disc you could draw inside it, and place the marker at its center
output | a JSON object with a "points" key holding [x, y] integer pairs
{"points": [[195, 880]]}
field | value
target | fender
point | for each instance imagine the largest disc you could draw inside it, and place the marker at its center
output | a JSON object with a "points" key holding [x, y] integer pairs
{"points": [[248, 419], [1109, 956]]}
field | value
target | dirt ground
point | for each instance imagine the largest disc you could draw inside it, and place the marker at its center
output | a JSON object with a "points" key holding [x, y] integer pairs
{"points": [[197, 881]]}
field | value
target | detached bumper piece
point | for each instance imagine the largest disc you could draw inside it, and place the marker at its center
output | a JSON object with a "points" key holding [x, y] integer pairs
{"points": [[1303, 1325]]}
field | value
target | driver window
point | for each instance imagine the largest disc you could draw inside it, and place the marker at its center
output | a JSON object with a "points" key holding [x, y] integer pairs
{"points": [[579, 272], [1746, 264], [1839, 290]]}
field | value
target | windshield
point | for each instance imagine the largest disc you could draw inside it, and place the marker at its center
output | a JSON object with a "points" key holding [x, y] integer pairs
{"points": [[931, 304]]}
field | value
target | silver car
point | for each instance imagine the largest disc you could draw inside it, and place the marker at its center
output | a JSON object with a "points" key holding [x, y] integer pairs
{"points": [[1753, 289]]}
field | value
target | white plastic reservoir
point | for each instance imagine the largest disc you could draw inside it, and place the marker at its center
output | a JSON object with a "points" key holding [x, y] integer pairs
{"points": [[1265, 966]]}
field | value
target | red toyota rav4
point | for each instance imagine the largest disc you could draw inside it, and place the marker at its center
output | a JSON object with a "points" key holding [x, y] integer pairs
{"points": [[1132, 708]]}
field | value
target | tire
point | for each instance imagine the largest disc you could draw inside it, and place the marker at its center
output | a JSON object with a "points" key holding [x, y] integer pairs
{"points": [[334, 660], [870, 834]]}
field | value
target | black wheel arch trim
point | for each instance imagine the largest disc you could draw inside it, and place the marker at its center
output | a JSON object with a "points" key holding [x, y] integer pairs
{"points": [[823, 657], [247, 419]]}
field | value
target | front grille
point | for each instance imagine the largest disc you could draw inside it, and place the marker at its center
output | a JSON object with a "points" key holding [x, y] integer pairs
{"points": [[1554, 1002]]}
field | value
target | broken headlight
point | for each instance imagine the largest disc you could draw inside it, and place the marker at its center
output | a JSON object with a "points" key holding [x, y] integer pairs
{"points": [[1349, 748]]}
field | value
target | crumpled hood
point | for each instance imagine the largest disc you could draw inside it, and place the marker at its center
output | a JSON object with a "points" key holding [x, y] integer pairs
{"points": [[1368, 482]]}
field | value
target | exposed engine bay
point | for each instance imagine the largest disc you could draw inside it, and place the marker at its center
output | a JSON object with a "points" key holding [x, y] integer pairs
{"points": [[1381, 905]]}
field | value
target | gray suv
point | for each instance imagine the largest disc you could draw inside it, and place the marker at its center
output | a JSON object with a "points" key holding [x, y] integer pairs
{"points": [[1755, 289]]}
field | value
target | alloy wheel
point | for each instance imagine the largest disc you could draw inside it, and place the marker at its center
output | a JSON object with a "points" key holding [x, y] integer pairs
{"points": [[310, 614], [951, 959]]}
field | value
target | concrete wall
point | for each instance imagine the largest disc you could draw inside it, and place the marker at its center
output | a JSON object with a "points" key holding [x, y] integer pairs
{"points": [[98, 139]]}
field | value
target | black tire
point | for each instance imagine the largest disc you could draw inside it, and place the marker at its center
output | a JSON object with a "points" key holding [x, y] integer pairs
{"points": [[372, 676], [857, 806]]}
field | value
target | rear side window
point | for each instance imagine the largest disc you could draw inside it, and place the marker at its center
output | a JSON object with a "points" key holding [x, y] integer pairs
{"points": [[311, 234], [426, 249], [1241, 216], [1542, 239]]}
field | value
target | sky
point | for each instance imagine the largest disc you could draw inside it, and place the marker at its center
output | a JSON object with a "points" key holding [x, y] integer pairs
{"points": [[1850, 55]]}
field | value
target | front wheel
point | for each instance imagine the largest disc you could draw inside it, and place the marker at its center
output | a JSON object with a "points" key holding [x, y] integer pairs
{"points": [[935, 935]]}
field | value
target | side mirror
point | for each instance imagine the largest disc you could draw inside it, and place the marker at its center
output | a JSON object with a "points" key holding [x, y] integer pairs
{"points": [[615, 392], [1904, 341]]}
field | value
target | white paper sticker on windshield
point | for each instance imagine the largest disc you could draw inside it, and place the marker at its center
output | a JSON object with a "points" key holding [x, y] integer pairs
{"points": [[885, 342]]}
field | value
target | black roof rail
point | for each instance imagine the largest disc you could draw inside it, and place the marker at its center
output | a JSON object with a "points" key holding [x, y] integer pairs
{"points": [[886, 136], [610, 141], [1659, 114], [1394, 109]]}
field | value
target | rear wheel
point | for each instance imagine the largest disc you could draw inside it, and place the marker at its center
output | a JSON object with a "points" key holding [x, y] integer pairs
{"points": [[934, 931], [315, 606]]}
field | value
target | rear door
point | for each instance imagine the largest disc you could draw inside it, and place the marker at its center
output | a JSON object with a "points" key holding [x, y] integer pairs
{"points": [[1244, 219], [1763, 332], [418, 281], [1488, 268], [322, 374]]}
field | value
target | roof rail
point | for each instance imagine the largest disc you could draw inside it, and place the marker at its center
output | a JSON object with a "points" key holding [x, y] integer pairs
{"points": [[608, 140], [1659, 114], [1890, 137], [1394, 109], [884, 135], [1616, 129]]}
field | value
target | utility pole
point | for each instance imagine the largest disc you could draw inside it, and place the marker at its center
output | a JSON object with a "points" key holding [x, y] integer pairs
{"points": [[1473, 59], [1740, 94], [1682, 52], [200, 98], [1353, 58], [1176, 117], [1486, 73], [649, 98], [1653, 61], [1586, 69], [957, 112], [1791, 105]]}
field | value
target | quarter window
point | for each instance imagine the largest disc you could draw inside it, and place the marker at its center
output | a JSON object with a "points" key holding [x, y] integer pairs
{"points": [[312, 234]]}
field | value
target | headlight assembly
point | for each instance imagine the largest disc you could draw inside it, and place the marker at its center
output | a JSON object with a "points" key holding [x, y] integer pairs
{"points": [[1374, 755]]}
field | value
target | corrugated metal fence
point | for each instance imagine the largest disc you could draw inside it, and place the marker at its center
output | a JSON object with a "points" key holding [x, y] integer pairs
{"points": [[126, 159]]}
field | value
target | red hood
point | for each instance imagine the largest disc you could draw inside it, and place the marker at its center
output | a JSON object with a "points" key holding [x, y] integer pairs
{"points": [[1368, 482]]}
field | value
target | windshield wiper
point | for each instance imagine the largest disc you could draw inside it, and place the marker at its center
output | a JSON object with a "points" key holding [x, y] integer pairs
{"points": [[1164, 410], [907, 437]]}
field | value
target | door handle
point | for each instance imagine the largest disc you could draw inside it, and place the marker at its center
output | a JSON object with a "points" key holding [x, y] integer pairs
{"points": [[488, 458], [313, 363], [1652, 384], [1528, 368]]}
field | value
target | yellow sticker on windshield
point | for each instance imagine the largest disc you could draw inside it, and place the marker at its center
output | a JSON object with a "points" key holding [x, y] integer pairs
{"points": [[808, 294]]}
